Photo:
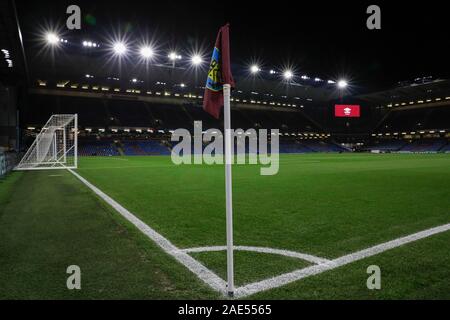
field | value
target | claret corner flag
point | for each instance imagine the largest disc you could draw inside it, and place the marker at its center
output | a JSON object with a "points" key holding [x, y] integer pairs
{"points": [[217, 95], [219, 74]]}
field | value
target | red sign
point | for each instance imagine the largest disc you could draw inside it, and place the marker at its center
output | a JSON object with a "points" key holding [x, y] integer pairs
{"points": [[346, 110]]}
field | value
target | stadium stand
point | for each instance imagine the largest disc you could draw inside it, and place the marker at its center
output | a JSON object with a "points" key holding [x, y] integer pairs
{"points": [[425, 145], [416, 119], [97, 148], [293, 147], [386, 146], [144, 147], [446, 148], [417, 145], [130, 124], [322, 146], [128, 113]]}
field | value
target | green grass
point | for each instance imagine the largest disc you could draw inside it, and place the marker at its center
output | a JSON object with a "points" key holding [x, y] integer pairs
{"points": [[325, 205], [322, 204], [250, 266], [418, 270], [48, 221]]}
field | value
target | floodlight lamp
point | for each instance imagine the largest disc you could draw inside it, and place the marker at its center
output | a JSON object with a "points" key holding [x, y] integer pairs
{"points": [[119, 48], [52, 38], [342, 84]]}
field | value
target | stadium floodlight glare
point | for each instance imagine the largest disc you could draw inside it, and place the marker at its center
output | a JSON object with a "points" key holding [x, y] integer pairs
{"points": [[90, 44], [254, 69], [52, 38], [196, 60], [342, 84], [288, 74], [174, 56], [146, 52], [119, 48]]}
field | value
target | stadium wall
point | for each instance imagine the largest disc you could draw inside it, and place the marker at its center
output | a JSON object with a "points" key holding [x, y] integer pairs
{"points": [[8, 119]]}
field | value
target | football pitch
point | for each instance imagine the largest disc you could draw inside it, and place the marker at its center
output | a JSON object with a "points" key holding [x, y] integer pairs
{"points": [[318, 208]]}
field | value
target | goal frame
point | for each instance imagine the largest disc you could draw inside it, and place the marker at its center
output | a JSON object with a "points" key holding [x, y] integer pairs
{"points": [[58, 156]]}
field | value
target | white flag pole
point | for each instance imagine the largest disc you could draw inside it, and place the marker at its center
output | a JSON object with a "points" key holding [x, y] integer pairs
{"points": [[228, 188]]}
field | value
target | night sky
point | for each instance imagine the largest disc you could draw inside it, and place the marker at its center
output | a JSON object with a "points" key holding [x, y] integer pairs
{"points": [[320, 38]]}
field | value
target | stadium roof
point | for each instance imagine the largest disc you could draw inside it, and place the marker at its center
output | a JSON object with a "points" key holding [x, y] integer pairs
{"points": [[316, 48], [12, 66], [412, 92]]}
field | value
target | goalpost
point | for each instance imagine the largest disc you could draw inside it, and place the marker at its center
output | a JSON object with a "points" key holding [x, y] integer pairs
{"points": [[55, 147]]}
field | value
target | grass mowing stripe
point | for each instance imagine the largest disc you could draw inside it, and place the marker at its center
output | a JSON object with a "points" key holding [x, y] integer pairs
{"points": [[287, 278], [193, 265], [49, 223], [418, 270], [326, 205], [328, 209]]}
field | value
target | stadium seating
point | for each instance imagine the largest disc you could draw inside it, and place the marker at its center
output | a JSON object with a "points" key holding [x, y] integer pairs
{"points": [[129, 113], [322, 146], [305, 146], [144, 147], [425, 145], [141, 147], [446, 148], [422, 145], [133, 117], [97, 148], [419, 119], [386, 146], [293, 147]]}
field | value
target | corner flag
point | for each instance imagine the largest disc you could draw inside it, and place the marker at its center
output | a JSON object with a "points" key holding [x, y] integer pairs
{"points": [[219, 74], [217, 94]]}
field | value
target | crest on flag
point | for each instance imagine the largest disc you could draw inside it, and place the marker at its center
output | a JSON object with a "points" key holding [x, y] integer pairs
{"points": [[214, 80]]}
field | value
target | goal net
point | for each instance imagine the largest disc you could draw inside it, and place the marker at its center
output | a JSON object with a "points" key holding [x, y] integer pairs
{"points": [[55, 147]]}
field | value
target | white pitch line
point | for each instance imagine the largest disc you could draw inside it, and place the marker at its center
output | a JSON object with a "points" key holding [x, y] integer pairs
{"points": [[286, 278], [281, 252], [218, 284], [206, 275]]}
